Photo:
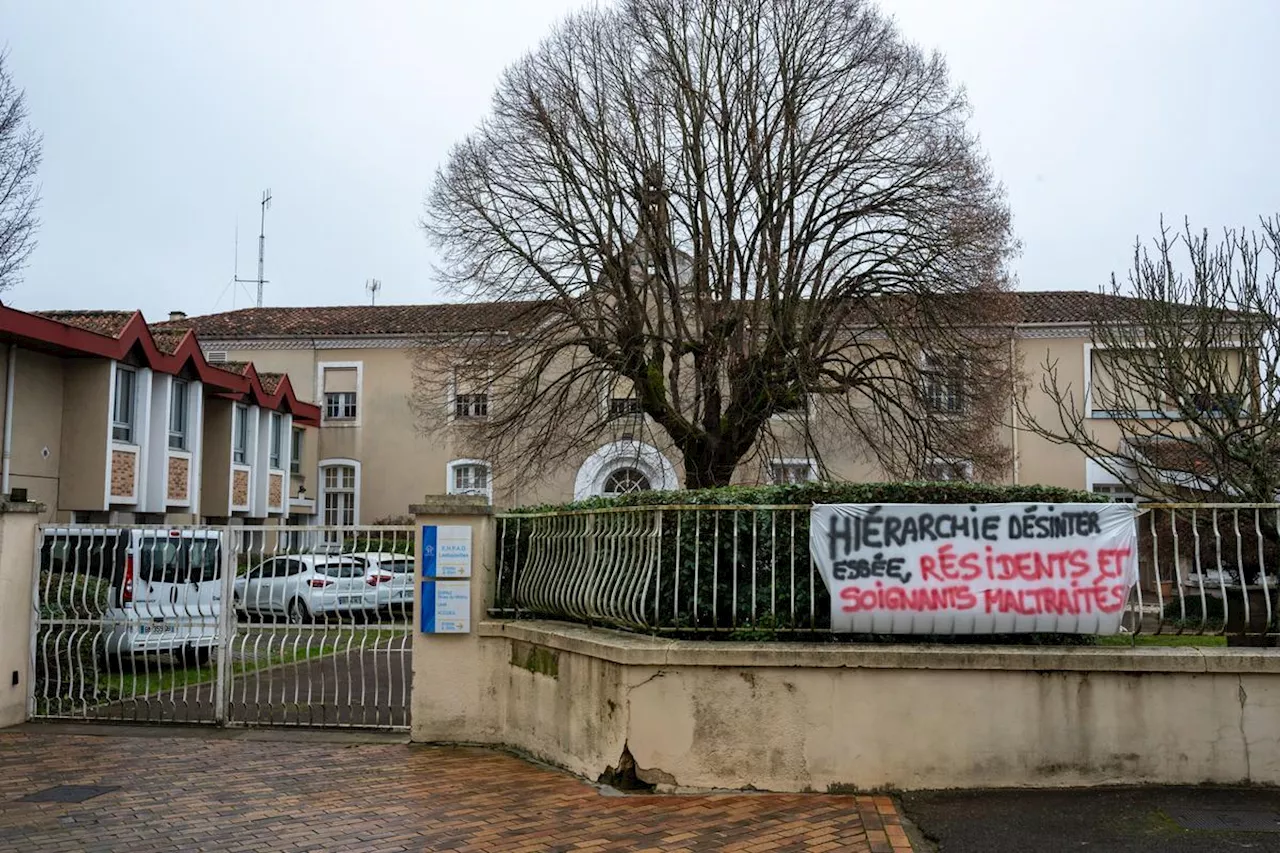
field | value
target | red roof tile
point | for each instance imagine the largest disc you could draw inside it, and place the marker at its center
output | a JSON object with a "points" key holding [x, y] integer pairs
{"points": [[1060, 306], [109, 323], [390, 320]]}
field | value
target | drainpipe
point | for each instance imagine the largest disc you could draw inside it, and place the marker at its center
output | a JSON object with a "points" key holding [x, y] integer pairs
{"points": [[8, 419], [1013, 408]]}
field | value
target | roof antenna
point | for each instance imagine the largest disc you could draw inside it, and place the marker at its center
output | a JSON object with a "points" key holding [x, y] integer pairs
{"points": [[262, 245], [373, 286]]}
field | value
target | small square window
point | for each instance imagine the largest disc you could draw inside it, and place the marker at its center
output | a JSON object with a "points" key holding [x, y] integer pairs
{"points": [[621, 407], [790, 472], [471, 406], [340, 405], [944, 470]]}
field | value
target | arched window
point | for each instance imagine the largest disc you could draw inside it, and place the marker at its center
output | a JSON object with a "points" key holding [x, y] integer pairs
{"points": [[624, 481], [469, 477], [621, 467]]}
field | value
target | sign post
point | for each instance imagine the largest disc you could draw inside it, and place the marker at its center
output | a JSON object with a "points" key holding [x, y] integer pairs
{"points": [[976, 568], [446, 579]]}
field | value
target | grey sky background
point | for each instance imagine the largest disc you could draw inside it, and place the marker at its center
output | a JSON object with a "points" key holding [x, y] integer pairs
{"points": [[164, 121]]}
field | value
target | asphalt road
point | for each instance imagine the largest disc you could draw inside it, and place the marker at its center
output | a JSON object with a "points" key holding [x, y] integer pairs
{"points": [[1114, 820]]}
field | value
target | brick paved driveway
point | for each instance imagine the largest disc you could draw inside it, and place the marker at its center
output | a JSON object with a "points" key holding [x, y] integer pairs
{"points": [[211, 793]]}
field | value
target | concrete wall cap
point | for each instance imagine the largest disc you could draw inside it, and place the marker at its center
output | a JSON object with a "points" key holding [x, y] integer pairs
{"points": [[21, 506], [641, 650], [452, 505]]}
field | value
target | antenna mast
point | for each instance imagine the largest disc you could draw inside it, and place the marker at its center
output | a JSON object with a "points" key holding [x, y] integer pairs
{"points": [[262, 246], [373, 286]]}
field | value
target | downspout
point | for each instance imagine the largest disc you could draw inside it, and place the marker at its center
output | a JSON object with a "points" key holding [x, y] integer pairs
{"points": [[8, 419], [1013, 403]]}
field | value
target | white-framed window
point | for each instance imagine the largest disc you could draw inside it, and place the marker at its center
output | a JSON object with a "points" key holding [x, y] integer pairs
{"points": [[180, 395], [469, 477], [797, 410], [240, 435], [340, 389], [621, 481], [944, 385], [277, 440], [295, 451], [470, 393], [1115, 492], [124, 415], [340, 405], [339, 482], [622, 407], [943, 470], [792, 471]]}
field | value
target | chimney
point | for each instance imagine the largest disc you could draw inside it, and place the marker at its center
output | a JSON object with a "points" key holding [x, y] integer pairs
{"points": [[177, 315]]}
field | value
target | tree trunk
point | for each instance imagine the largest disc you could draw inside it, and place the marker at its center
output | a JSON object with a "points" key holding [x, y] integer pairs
{"points": [[706, 469]]}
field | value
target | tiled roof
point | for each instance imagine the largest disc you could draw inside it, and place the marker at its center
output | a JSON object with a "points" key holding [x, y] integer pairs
{"points": [[109, 323], [391, 320], [270, 381], [1050, 306], [167, 340]]}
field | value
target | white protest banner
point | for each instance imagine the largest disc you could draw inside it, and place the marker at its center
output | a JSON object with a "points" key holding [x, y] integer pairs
{"points": [[975, 568]]}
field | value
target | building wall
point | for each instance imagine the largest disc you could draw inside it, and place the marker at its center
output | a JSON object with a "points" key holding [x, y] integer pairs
{"points": [[399, 465], [215, 474], [37, 426], [85, 432]]}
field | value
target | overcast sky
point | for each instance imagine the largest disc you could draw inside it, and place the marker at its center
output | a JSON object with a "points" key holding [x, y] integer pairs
{"points": [[164, 121]]}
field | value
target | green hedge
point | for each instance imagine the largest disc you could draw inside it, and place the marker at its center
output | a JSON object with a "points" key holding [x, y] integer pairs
{"points": [[762, 587], [829, 493]]}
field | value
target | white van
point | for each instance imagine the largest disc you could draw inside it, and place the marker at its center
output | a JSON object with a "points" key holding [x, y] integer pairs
{"points": [[152, 589]]}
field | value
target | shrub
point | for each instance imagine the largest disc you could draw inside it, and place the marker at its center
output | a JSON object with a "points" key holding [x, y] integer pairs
{"points": [[828, 493]]}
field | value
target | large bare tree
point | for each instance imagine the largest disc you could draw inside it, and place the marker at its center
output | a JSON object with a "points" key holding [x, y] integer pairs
{"points": [[1184, 373], [763, 220], [19, 193]]}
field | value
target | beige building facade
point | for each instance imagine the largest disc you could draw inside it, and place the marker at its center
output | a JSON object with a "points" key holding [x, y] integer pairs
{"points": [[372, 458]]}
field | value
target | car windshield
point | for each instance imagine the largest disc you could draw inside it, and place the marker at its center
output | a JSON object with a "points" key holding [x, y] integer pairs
{"points": [[178, 560], [341, 569]]}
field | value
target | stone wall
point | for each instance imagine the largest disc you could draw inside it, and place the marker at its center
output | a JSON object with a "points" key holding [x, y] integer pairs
{"points": [[794, 717]]}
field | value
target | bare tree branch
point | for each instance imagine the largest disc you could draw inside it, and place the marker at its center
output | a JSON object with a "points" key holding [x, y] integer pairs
{"points": [[742, 209], [19, 194], [1184, 375]]}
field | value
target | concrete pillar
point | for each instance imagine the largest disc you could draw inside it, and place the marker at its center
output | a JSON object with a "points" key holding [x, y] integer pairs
{"points": [[17, 560], [451, 699]]}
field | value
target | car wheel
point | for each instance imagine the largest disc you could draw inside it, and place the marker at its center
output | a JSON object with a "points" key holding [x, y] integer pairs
{"points": [[298, 614]]}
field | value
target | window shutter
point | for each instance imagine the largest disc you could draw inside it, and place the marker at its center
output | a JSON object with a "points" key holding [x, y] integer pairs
{"points": [[339, 379]]}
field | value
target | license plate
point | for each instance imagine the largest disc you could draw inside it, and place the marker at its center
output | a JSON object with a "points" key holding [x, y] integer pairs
{"points": [[350, 599], [156, 629]]}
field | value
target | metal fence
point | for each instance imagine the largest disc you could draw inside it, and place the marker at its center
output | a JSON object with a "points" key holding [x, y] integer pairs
{"points": [[745, 570], [132, 624]]}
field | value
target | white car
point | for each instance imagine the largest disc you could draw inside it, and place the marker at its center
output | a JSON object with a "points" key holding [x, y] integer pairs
{"points": [[306, 586], [392, 575], [160, 589]]}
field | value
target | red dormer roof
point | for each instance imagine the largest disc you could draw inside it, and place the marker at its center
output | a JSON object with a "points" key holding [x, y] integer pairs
{"points": [[119, 335]]}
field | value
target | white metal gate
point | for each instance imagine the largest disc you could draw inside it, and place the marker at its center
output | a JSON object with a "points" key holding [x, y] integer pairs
{"points": [[132, 625]]}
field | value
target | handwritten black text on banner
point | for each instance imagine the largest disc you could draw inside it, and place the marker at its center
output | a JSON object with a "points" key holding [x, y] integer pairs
{"points": [[984, 568]]}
